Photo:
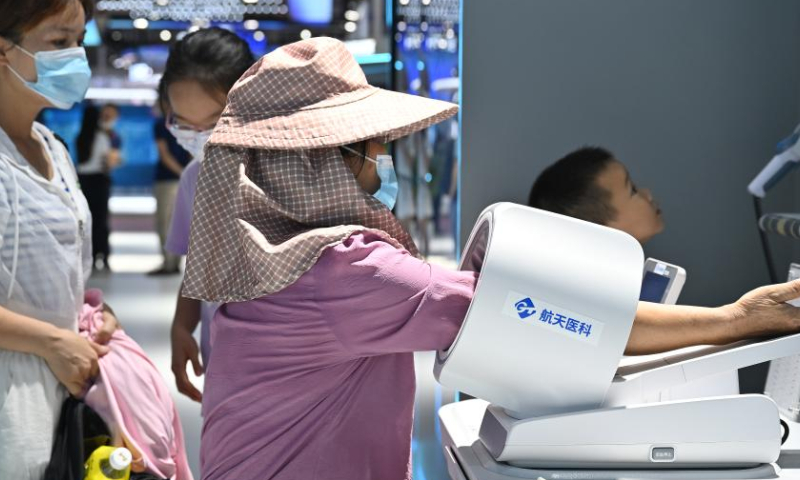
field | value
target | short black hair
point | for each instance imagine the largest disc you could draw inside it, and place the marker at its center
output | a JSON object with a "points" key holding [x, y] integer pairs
{"points": [[569, 187], [213, 57]]}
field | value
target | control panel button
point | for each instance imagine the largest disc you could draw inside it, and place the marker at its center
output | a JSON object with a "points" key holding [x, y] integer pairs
{"points": [[662, 454]]}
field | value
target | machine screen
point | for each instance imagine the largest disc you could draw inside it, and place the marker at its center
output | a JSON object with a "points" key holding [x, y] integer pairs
{"points": [[654, 287]]}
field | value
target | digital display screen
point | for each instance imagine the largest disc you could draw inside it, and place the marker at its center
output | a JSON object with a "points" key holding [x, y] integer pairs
{"points": [[654, 287]]}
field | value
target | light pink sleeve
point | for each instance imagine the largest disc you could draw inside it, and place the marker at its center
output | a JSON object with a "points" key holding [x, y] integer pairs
{"points": [[378, 299]]}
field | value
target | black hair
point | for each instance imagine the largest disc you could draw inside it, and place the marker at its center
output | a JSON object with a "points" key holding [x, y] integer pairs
{"points": [[89, 126], [163, 100], [17, 18], [213, 57], [569, 186]]}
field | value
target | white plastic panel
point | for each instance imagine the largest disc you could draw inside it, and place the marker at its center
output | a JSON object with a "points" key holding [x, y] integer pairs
{"points": [[518, 347]]}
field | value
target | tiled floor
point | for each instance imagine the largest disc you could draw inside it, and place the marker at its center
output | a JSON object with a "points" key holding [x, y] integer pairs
{"points": [[145, 306]]}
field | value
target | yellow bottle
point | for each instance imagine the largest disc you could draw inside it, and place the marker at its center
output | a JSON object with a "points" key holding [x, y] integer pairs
{"points": [[109, 463]]}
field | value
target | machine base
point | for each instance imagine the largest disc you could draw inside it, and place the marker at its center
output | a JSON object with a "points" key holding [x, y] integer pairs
{"points": [[475, 463], [468, 459], [733, 432]]}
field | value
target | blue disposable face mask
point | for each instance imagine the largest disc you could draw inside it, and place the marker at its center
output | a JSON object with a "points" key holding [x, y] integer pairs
{"points": [[387, 193], [62, 76]]}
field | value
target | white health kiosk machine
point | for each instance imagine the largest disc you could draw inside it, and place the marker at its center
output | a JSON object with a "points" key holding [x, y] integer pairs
{"points": [[541, 346]]}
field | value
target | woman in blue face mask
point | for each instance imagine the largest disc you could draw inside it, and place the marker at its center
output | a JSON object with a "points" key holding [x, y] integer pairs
{"points": [[45, 232], [311, 362]]}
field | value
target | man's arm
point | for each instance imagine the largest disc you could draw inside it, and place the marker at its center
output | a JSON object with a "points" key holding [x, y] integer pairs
{"points": [[166, 157], [759, 313]]}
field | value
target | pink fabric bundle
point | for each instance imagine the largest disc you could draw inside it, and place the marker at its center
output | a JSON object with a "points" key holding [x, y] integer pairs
{"points": [[133, 400]]}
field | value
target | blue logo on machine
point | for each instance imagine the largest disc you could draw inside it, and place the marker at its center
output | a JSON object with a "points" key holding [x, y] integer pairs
{"points": [[525, 308], [553, 318]]}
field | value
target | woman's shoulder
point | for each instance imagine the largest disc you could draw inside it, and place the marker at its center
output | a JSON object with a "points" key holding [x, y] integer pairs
{"points": [[54, 141], [6, 145], [363, 252], [364, 244], [43, 130], [8, 157], [58, 146], [56, 149], [9, 151]]}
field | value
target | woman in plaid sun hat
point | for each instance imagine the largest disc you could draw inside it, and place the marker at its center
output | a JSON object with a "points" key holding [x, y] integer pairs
{"points": [[312, 372]]}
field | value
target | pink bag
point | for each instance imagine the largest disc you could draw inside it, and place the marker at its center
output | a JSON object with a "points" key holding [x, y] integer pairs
{"points": [[133, 400]]}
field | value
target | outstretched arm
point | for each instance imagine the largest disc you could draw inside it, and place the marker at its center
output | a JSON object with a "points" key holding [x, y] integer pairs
{"points": [[759, 313]]}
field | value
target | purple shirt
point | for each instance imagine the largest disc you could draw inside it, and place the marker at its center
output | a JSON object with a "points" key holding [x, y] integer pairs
{"points": [[317, 381], [178, 236], [178, 244]]}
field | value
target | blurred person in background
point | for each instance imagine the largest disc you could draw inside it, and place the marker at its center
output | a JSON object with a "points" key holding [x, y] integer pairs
{"points": [[200, 71], [172, 159], [45, 232], [98, 148]]}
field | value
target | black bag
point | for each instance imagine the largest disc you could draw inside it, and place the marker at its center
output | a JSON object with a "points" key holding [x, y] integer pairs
{"points": [[80, 432]]}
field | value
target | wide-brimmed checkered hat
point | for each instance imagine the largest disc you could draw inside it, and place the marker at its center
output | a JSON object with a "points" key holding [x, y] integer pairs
{"points": [[274, 192], [313, 94]]}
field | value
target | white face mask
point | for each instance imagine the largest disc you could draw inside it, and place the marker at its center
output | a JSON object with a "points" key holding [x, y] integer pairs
{"points": [[191, 141]]}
